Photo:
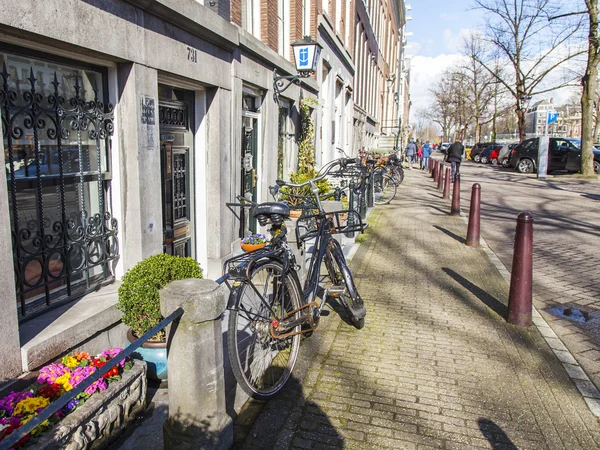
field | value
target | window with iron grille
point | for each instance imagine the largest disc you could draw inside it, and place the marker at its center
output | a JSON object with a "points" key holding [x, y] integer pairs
{"points": [[56, 129]]}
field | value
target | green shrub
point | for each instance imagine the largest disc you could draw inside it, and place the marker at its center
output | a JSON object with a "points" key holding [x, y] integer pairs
{"points": [[138, 294]]}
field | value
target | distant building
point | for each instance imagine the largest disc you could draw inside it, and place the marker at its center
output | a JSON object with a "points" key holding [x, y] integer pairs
{"points": [[568, 123]]}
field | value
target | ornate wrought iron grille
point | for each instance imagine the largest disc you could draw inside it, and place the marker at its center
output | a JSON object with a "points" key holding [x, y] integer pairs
{"points": [[172, 116], [56, 156], [180, 186]]}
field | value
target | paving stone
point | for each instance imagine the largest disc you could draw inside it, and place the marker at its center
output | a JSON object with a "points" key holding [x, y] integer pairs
{"points": [[435, 365]]}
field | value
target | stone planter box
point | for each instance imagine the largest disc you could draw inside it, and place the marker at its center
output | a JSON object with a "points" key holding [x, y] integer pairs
{"points": [[103, 417]]}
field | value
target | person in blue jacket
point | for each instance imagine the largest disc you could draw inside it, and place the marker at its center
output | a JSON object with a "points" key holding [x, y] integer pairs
{"points": [[426, 153]]}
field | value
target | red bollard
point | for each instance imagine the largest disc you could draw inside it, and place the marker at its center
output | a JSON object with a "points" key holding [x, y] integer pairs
{"points": [[434, 170], [455, 209], [440, 176], [520, 296], [429, 164], [446, 195], [473, 227]]}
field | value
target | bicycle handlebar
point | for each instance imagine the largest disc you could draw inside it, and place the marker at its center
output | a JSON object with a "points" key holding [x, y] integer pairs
{"points": [[342, 162]]}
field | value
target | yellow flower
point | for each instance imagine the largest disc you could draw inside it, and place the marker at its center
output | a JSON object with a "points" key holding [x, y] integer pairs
{"points": [[70, 361], [64, 378], [30, 405]]}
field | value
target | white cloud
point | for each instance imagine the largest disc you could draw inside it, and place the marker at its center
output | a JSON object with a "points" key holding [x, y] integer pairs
{"points": [[425, 72]]}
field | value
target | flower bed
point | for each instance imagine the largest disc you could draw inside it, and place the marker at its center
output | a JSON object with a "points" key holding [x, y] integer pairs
{"points": [[55, 380]]}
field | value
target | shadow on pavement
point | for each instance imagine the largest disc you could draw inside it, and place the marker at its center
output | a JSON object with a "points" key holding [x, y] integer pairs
{"points": [[495, 435], [451, 234], [447, 213], [486, 298], [279, 424]]}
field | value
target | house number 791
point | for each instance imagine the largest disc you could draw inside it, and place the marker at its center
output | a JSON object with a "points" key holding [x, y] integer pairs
{"points": [[192, 54]]}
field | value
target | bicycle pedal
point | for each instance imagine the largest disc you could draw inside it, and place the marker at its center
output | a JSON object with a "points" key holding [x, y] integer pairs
{"points": [[324, 313], [335, 291]]}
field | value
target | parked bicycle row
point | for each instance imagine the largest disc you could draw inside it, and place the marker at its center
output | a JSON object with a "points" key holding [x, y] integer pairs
{"points": [[270, 309]]}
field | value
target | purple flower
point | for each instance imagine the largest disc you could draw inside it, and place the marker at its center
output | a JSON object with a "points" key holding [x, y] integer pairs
{"points": [[9, 402], [71, 405]]}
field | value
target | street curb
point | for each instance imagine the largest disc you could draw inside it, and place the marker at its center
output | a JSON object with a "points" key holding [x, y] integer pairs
{"points": [[584, 385]]}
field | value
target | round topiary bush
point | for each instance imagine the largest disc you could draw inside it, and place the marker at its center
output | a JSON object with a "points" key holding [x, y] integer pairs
{"points": [[138, 294]]}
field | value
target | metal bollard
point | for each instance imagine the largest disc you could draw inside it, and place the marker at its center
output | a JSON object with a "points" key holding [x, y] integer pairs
{"points": [[473, 227], [446, 195], [520, 296], [455, 209], [371, 190], [434, 170], [440, 177], [197, 410]]}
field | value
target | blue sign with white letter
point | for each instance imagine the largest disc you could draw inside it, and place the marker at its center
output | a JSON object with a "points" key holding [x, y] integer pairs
{"points": [[304, 57], [552, 116]]}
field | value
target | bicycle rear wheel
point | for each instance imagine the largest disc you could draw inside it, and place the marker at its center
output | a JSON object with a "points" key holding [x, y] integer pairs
{"points": [[385, 189], [340, 276], [261, 363], [398, 174]]}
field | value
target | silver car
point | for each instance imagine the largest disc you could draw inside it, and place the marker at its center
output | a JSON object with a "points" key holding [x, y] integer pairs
{"points": [[504, 154]]}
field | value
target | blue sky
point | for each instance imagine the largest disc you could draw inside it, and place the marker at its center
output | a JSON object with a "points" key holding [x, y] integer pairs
{"points": [[437, 25]]}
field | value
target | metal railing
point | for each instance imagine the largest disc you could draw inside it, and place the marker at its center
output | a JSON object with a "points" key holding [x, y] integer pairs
{"points": [[63, 400]]}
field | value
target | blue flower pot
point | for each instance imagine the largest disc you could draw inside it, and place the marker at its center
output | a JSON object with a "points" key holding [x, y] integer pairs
{"points": [[155, 356]]}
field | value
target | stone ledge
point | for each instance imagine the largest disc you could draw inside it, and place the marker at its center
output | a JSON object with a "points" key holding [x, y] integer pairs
{"points": [[52, 334]]}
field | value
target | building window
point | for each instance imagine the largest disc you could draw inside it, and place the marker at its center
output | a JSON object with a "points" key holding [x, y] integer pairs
{"points": [[251, 17], [283, 20], [57, 163]]}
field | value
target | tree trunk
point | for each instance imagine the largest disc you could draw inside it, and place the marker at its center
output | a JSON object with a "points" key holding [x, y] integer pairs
{"points": [[521, 122], [590, 84]]}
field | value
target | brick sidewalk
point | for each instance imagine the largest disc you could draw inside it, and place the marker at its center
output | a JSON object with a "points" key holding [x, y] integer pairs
{"points": [[435, 365]]}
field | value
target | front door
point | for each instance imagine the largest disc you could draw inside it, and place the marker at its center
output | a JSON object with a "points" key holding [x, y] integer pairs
{"points": [[249, 169], [176, 159]]}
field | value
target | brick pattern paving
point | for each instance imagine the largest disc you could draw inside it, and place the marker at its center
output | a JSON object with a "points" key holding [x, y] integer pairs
{"points": [[435, 365], [566, 261]]}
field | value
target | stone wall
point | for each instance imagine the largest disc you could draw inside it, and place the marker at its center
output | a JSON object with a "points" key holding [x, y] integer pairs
{"points": [[103, 417]]}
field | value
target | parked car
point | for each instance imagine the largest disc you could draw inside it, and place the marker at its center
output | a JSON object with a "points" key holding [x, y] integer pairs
{"points": [[477, 149], [444, 147], [489, 153], [504, 154], [562, 155]]}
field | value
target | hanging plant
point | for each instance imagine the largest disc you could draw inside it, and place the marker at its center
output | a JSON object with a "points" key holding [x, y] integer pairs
{"points": [[306, 158]]}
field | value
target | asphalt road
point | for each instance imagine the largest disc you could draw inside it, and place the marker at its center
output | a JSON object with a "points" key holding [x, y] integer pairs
{"points": [[566, 260]]}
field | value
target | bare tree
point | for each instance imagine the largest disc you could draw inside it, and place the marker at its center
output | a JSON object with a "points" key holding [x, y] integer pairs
{"points": [[589, 82], [442, 110], [532, 46]]}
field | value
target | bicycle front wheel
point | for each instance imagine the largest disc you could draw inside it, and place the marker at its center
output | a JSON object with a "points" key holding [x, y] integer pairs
{"points": [[385, 189], [261, 363], [398, 174], [340, 276]]}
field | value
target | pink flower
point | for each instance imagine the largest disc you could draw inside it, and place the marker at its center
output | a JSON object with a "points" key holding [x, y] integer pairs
{"points": [[110, 354], [99, 385], [49, 374], [80, 373]]}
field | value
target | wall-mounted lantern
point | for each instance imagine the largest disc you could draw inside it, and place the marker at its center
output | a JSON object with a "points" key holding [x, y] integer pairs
{"points": [[306, 54]]}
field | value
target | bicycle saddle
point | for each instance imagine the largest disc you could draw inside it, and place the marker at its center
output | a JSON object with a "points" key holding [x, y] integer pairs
{"points": [[274, 211]]}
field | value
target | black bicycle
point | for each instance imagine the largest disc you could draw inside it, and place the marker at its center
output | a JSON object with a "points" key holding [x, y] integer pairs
{"points": [[269, 311]]}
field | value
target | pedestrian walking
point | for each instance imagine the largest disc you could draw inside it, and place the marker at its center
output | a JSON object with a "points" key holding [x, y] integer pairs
{"points": [[425, 152], [419, 155], [411, 151], [454, 155]]}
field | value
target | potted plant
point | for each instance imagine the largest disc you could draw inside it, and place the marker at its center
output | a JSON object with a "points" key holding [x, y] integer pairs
{"points": [[140, 303], [253, 242]]}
